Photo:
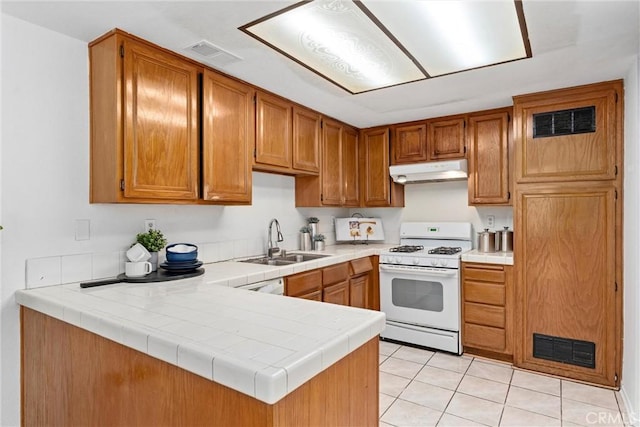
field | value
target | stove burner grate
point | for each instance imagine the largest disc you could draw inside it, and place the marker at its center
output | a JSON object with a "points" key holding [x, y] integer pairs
{"points": [[407, 248], [445, 250]]}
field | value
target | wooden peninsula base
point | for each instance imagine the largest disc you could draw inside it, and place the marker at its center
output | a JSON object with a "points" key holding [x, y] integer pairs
{"points": [[73, 377]]}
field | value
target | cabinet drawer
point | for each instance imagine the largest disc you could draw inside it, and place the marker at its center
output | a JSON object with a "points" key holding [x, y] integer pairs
{"points": [[488, 315], [335, 273], [303, 283], [361, 265], [484, 293], [484, 274], [484, 337]]}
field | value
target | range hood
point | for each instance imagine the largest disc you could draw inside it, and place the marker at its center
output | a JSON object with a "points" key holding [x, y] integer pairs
{"points": [[429, 171]]}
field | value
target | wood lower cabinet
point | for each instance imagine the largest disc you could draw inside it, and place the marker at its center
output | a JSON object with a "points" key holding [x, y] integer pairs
{"points": [[487, 310], [72, 377], [488, 139], [144, 123], [378, 189], [227, 139], [446, 138], [353, 283]]}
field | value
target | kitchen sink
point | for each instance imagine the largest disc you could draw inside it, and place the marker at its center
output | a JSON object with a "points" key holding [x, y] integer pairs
{"points": [[289, 259]]}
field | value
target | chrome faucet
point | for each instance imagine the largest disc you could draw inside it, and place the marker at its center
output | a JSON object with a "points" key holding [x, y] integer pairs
{"points": [[274, 249]]}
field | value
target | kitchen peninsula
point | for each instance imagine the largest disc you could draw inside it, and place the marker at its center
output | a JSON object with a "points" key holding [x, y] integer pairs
{"points": [[197, 351]]}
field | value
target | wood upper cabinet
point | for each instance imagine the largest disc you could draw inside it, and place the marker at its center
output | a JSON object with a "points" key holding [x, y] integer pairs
{"points": [[228, 139], [338, 183], [567, 300], [446, 139], [487, 309], [570, 134], [488, 137], [409, 144], [306, 140], [144, 123], [378, 189], [287, 137], [273, 131]]}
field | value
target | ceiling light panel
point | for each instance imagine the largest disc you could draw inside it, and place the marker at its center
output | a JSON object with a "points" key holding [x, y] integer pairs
{"points": [[451, 36], [338, 41]]}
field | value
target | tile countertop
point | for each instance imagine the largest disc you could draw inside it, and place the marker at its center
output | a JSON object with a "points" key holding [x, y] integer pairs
{"points": [[504, 258], [259, 344]]}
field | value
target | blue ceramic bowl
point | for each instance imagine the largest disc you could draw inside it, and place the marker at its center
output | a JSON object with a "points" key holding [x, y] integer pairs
{"points": [[182, 252]]}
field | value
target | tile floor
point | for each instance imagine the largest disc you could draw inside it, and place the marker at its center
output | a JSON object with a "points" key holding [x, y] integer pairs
{"points": [[425, 388]]}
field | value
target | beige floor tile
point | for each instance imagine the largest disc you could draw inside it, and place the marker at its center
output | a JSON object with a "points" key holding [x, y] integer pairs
{"points": [[412, 354], [450, 362], [387, 348], [484, 389], [427, 395], [514, 417], [490, 371], [589, 415], [402, 368], [381, 424], [449, 420], [382, 358], [392, 385], [475, 409], [536, 382], [533, 401], [403, 413], [384, 401], [589, 394], [439, 377]]}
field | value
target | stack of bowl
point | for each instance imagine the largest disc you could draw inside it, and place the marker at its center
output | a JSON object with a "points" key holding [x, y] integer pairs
{"points": [[181, 258]]}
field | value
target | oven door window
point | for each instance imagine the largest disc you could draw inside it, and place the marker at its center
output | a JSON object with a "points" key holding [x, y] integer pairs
{"points": [[418, 294]]}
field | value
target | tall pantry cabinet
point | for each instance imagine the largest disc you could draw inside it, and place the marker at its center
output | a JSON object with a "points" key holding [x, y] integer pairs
{"points": [[568, 223]]}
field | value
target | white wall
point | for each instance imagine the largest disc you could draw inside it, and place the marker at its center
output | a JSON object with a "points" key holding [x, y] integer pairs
{"points": [[45, 179], [630, 388]]}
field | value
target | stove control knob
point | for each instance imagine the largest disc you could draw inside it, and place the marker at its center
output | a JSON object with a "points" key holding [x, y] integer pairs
{"points": [[416, 261], [434, 262], [444, 262]]}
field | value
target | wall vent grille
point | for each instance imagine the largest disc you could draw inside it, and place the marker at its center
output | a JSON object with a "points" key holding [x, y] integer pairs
{"points": [[564, 122], [564, 350]]}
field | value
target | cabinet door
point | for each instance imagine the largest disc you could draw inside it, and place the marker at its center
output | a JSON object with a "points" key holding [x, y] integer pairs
{"points": [[566, 276], [378, 190], [350, 173], [332, 184], [337, 294], [359, 291], [228, 139], [445, 139], [569, 135], [161, 145], [409, 144], [306, 140], [488, 141], [273, 131]]}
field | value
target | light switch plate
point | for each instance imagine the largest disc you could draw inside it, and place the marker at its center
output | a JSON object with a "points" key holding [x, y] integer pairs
{"points": [[83, 227]]}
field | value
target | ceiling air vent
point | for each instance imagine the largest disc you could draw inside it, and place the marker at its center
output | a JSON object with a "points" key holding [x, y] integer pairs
{"points": [[565, 122], [213, 54]]}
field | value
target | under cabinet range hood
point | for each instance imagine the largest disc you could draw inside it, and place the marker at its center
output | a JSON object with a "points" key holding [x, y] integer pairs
{"points": [[429, 171]]}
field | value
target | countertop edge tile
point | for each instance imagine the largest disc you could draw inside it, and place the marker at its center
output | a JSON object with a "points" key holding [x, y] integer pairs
{"points": [[502, 258]]}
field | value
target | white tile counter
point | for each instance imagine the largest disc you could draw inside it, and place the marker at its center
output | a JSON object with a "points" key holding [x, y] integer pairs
{"points": [[262, 345], [504, 258]]}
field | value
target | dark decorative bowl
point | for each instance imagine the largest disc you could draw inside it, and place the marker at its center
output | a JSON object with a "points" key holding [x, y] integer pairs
{"points": [[182, 252]]}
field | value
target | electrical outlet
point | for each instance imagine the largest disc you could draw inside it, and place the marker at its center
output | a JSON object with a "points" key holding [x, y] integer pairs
{"points": [[149, 224], [491, 221]]}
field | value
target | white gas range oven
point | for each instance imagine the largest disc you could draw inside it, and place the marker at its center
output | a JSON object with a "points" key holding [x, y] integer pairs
{"points": [[420, 284]]}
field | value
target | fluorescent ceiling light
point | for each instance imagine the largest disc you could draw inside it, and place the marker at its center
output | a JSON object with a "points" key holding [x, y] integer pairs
{"points": [[367, 45]]}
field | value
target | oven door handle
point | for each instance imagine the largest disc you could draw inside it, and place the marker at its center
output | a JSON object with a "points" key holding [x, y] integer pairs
{"points": [[423, 271]]}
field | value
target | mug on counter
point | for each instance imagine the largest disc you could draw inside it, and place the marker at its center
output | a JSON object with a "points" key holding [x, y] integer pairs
{"points": [[137, 269]]}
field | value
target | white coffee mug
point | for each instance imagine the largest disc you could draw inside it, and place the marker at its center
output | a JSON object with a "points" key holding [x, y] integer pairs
{"points": [[137, 269], [138, 253]]}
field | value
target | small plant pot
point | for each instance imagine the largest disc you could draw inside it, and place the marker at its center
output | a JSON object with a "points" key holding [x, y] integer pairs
{"points": [[319, 245], [305, 241]]}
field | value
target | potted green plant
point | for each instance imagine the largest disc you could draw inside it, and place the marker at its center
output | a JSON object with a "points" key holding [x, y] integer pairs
{"points": [[153, 240], [305, 238], [318, 239]]}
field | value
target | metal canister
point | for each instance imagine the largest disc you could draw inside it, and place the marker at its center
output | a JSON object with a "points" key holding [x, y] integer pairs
{"points": [[505, 237], [487, 241]]}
